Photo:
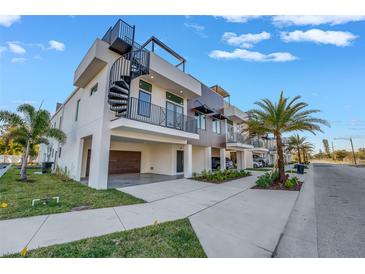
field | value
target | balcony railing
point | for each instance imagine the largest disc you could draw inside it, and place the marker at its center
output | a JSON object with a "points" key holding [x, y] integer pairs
{"points": [[121, 30], [153, 114], [258, 143], [236, 137]]}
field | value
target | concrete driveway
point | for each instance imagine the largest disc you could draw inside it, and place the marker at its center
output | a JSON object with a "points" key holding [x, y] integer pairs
{"points": [[230, 219], [133, 179]]}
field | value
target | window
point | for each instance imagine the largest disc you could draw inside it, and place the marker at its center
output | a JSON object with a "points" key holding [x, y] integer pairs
{"points": [[174, 98], [59, 153], [217, 126], [94, 89], [174, 116], [59, 125], [144, 103], [200, 120], [77, 110]]}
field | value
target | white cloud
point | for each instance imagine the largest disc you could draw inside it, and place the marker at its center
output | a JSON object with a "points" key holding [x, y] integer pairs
{"points": [[337, 38], [16, 48], [195, 26], [56, 45], [314, 20], [254, 56], [8, 20], [239, 18], [18, 60], [199, 29], [245, 40], [2, 49]]}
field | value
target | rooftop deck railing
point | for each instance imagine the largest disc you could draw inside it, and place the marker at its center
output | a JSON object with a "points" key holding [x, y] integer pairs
{"points": [[121, 30]]}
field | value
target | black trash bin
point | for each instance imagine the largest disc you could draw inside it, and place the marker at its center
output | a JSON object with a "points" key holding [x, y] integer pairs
{"points": [[300, 169], [47, 167]]}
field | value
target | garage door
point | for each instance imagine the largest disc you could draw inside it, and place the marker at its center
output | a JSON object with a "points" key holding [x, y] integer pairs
{"points": [[124, 162]]}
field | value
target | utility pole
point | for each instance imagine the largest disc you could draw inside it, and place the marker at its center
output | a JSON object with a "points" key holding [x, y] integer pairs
{"points": [[333, 152], [353, 151]]}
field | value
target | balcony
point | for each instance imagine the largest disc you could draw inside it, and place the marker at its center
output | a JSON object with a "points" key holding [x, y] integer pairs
{"points": [[234, 113], [146, 117], [92, 63], [260, 145], [236, 140], [120, 37]]}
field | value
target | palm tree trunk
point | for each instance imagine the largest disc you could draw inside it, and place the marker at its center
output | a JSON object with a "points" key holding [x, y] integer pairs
{"points": [[23, 170], [299, 155], [281, 166]]}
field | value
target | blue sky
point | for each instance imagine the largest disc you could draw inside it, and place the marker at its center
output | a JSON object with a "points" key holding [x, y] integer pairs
{"points": [[320, 58]]}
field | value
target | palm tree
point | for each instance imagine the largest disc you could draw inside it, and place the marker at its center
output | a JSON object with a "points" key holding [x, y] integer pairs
{"points": [[29, 128], [282, 117], [307, 148], [295, 143]]}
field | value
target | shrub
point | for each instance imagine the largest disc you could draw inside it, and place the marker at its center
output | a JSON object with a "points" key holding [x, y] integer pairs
{"points": [[291, 183], [265, 180], [222, 175]]}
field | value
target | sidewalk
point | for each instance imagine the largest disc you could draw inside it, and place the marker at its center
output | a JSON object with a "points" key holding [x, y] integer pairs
{"points": [[230, 219]]}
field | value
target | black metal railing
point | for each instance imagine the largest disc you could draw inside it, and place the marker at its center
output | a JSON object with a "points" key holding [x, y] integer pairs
{"points": [[140, 60], [121, 30], [153, 114], [119, 70]]}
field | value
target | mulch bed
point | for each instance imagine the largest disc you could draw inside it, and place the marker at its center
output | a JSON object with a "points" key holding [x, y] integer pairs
{"points": [[281, 187]]}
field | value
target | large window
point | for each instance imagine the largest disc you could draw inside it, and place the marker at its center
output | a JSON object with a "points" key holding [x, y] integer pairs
{"points": [[200, 120], [217, 126], [174, 116], [144, 103]]}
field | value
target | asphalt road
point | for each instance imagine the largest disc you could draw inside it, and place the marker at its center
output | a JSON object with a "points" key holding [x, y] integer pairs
{"points": [[340, 210]]}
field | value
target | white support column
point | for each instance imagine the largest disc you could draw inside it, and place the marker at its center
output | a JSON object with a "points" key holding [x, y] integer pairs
{"points": [[80, 159], [99, 162], [208, 158], [188, 161], [222, 155], [248, 158], [240, 160]]}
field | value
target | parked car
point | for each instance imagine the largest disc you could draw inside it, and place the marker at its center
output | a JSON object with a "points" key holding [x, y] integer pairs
{"points": [[264, 161], [257, 164], [216, 163]]}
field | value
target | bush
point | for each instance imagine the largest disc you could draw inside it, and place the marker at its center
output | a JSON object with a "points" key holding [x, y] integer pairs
{"points": [[222, 175], [267, 179], [264, 181], [291, 183]]}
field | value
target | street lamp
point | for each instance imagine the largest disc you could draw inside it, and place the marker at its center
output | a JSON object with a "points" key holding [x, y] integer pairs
{"points": [[352, 147]]}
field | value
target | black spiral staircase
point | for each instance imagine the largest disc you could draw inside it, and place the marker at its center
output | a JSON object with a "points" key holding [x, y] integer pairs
{"points": [[133, 63]]}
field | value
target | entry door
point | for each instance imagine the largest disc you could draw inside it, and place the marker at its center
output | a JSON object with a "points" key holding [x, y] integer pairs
{"points": [[88, 162], [179, 161]]}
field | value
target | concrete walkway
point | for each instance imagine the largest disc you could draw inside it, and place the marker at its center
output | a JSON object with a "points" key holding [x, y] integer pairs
{"points": [[230, 219]]}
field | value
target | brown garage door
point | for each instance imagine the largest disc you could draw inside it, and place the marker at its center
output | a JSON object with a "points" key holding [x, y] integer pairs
{"points": [[124, 162]]}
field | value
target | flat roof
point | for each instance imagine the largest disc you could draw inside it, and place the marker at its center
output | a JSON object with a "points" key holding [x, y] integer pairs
{"points": [[221, 91]]}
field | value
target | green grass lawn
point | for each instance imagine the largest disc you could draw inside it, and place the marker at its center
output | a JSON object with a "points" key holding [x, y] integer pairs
{"points": [[167, 240], [19, 195]]}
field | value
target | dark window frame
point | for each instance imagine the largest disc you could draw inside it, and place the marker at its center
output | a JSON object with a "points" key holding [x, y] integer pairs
{"points": [[77, 110], [94, 89], [149, 103]]}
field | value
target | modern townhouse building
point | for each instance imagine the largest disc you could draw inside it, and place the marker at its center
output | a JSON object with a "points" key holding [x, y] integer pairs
{"points": [[132, 112]]}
